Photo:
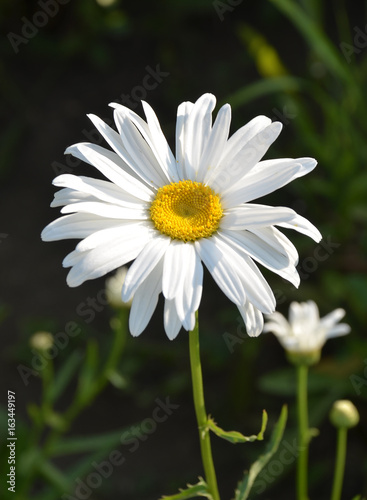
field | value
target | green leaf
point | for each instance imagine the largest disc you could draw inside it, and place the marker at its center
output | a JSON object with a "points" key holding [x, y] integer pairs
{"points": [[28, 461], [266, 57], [77, 470], [264, 87], [244, 486], [197, 490], [53, 475], [316, 39], [64, 375], [237, 437], [82, 444], [35, 414], [88, 373], [55, 420]]}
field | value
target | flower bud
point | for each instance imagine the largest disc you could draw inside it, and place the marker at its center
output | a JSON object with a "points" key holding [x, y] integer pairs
{"points": [[344, 414], [41, 341], [113, 289]]}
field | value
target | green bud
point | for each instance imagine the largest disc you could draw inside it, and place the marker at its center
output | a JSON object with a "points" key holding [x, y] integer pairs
{"points": [[344, 414]]}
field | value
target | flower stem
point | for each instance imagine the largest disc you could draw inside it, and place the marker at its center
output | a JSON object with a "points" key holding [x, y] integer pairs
{"points": [[341, 449], [201, 416], [303, 431]]}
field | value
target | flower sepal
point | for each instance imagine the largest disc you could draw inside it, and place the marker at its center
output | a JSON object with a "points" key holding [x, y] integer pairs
{"points": [[307, 358]]}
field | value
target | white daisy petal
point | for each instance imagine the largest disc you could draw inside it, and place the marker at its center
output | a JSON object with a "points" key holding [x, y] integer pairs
{"points": [[278, 241], [114, 140], [254, 284], [332, 318], [129, 229], [160, 142], [99, 189], [140, 151], [302, 225], [245, 160], [174, 268], [252, 318], [73, 258], [267, 176], [172, 323], [242, 136], [145, 300], [108, 164], [338, 330], [153, 136], [189, 321], [192, 292], [66, 196], [273, 258], [107, 210], [330, 321], [221, 267], [247, 216], [111, 248], [184, 275], [79, 225], [183, 113], [277, 324], [132, 149], [304, 165], [215, 144], [197, 131], [235, 143], [143, 265]]}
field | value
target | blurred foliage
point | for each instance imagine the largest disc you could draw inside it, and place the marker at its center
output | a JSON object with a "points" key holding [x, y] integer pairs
{"points": [[45, 438], [301, 62]]}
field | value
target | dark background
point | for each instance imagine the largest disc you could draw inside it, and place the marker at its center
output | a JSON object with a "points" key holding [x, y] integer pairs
{"points": [[253, 55]]}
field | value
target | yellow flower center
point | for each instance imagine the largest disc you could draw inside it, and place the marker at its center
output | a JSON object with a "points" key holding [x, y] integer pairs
{"points": [[186, 210]]}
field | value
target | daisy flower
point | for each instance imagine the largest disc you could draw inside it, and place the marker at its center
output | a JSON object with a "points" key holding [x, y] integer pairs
{"points": [[172, 214], [305, 332]]}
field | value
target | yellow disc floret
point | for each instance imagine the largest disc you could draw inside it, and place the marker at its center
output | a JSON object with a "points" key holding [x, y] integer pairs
{"points": [[186, 210]]}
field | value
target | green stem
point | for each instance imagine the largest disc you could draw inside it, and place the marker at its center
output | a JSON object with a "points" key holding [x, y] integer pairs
{"points": [[118, 344], [78, 405], [201, 416], [120, 329], [303, 432], [341, 449]]}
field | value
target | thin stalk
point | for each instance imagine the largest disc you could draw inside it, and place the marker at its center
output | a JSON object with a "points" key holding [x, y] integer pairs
{"points": [[341, 450], [201, 416], [303, 432], [78, 405], [118, 344]]}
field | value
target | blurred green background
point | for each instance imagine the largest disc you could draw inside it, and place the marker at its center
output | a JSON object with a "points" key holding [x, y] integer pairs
{"points": [[301, 62]]}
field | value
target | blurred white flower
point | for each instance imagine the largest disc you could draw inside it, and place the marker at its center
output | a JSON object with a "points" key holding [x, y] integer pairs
{"points": [[305, 332], [114, 287]]}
